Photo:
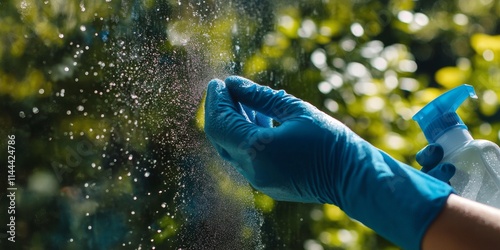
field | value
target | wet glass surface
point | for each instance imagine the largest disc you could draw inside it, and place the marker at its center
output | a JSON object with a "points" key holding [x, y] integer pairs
{"points": [[101, 103]]}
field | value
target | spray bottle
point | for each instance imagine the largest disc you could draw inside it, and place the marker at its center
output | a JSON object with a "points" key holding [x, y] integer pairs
{"points": [[477, 162]]}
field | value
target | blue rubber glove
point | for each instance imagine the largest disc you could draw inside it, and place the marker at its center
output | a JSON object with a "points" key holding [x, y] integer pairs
{"points": [[429, 158], [311, 157]]}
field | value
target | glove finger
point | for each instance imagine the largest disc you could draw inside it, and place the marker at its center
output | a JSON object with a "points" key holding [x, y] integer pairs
{"points": [[443, 172], [430, 156], [273, 103]]}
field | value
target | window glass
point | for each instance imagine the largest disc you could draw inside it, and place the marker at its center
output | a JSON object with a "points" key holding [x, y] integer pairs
{"points": [[102, 105]]}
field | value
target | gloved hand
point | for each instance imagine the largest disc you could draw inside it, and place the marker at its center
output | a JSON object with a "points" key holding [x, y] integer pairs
{"points": [[429, 158], [311, 157]]}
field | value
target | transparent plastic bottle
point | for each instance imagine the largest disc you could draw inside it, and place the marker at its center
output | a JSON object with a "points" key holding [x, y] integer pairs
{"points": [[477, 161]]}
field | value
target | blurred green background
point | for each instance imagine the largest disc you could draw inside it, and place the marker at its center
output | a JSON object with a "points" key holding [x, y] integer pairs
{"points": [[103, 98]]}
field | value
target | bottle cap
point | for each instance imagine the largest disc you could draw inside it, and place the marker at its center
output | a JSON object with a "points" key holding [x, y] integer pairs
{"points": [[439, 116]]}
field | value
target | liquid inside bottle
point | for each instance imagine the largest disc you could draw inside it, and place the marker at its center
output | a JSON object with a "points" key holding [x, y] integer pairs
{"points": [[477, 168]]}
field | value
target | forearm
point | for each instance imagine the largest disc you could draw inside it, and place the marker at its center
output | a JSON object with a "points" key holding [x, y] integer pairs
{"points": [[464, 224]]}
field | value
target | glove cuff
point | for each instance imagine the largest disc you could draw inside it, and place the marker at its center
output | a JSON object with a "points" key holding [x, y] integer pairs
{"points": [[394, 199]]}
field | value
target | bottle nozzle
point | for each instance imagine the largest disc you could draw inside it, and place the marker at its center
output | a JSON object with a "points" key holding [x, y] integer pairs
{"points": [[439, 115]]}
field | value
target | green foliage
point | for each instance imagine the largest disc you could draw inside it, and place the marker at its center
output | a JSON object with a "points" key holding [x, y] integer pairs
{"points": [[104, 100]]}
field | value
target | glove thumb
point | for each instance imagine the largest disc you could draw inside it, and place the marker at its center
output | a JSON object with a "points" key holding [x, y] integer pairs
{"points": [[443, 172], [429, 156]]}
